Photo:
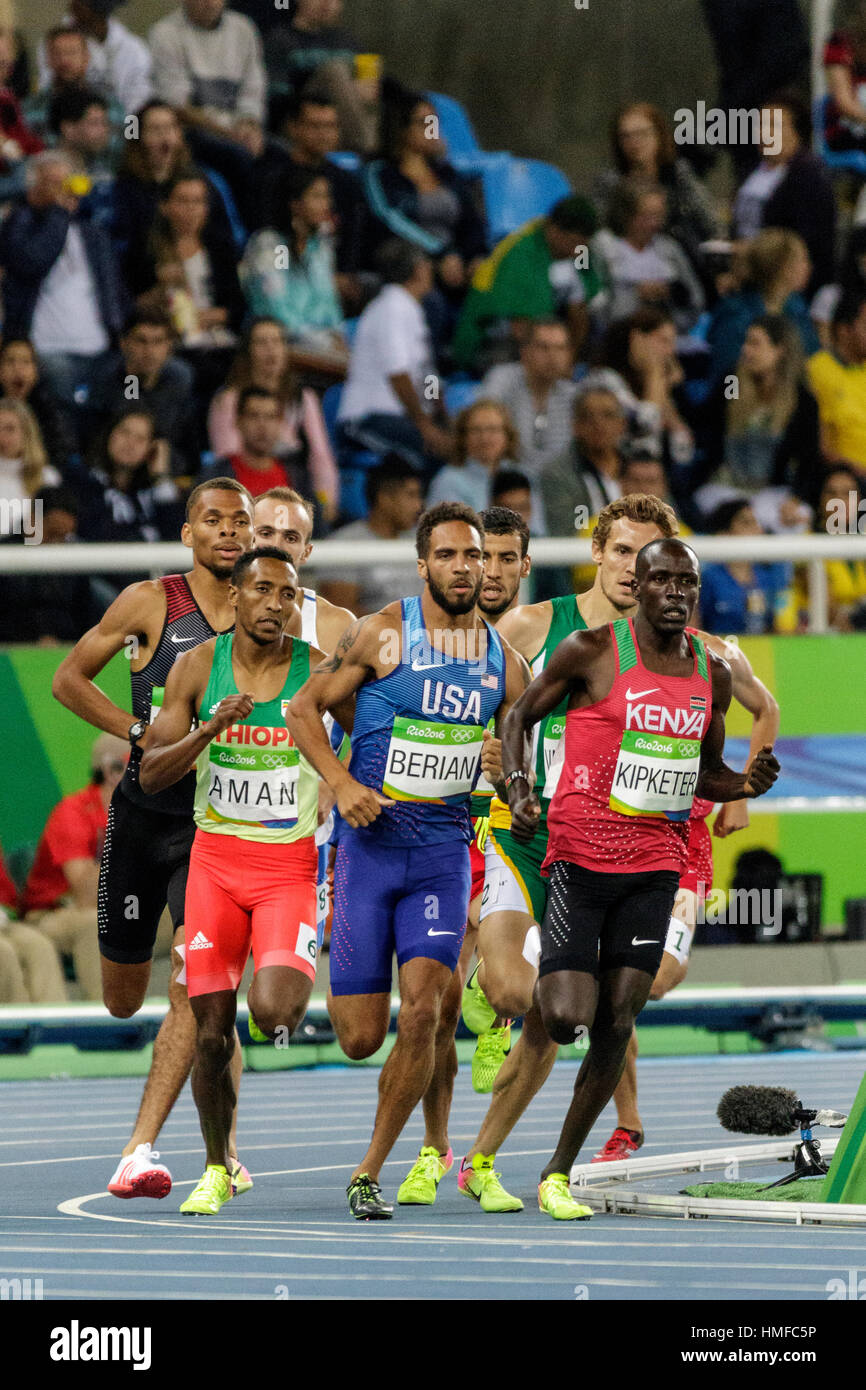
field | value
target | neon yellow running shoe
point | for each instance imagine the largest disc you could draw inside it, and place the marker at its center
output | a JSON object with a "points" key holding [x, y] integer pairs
{"points": [[478, 1015], [212, 1192], [478, 1180], [555, 1198], [241, 1180], [418, 1188], [256, 1034], [491, 1051]]}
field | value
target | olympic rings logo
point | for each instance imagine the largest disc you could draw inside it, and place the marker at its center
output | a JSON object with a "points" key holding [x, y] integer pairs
{"points": [[463, 735], [274, 760]]}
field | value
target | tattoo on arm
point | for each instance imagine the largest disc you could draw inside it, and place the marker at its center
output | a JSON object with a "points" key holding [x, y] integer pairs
{"points": [[345, 644]]}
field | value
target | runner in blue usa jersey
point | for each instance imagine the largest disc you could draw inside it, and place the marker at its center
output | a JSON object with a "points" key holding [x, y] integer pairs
{"points": [[428, 674]]}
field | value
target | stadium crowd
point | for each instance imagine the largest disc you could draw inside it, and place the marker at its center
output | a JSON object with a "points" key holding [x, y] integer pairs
{"points": [[222, 255]]}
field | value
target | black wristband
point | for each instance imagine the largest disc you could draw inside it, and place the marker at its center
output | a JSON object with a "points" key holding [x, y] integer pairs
{"points": [[513, 777]]}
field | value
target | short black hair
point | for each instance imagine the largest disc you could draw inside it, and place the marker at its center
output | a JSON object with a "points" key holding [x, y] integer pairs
{"points": [[260, 552], [70, 104], [438, 516], [57, 499], [290, 108], [397, 260], [720, 518], [217, 485], [851, 301], [502, 521], [508, 480], [642, 559], [252, 393], [392, 472], [574, 213], [152, 317]]}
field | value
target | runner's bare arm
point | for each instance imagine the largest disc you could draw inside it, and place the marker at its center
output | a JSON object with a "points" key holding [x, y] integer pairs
{"points": [[564, 674], [754, 696], [330, 687], [132, 622], [517, 679], [331, 623], [526, 627], [172, 748], [717, 781]]}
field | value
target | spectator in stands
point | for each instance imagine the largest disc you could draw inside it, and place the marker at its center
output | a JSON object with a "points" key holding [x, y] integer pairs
{"points": [[207, 63], [264, 361], [149, 166], [740, 597], [838, 380], [762, 46], [642, 471], [414, 193], [311, 131], [257, 463], [775, 272], [20, 380], [845, 70], [538, 392], [790, 188], [637, 360], [395, 500], [62, 289], [78, 122], [643, 265], [581, 480], [838, 513], [387, 402], [543, 270], [68, 60], [643, 147], [60, 894], [312, 52], [510, 488], [765, 434], [184, 266], [288, 270], [149, 373], [126, 494], [30, 970], [24, 466], [485, 442], [17, 140], [119, 63], [851, 279], [50, 608]]}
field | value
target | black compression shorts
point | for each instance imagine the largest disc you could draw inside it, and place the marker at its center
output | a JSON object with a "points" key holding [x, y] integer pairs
{"points": [[596, 922], [144, 866]]}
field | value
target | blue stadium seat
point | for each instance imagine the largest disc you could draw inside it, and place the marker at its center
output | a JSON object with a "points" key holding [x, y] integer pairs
{"points": [[346, 159], [455, 126], [354, 464], [330, 406], [845, 161], [516, 190], [239, 231]]}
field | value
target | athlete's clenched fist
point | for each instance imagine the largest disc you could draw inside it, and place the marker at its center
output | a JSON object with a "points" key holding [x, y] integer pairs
{"points": [[229, 711], [525, 813], [761, 772], [360, 805]]}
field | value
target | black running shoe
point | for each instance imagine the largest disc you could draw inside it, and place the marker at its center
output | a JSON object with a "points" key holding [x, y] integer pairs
{"points": [[365, 1200]]}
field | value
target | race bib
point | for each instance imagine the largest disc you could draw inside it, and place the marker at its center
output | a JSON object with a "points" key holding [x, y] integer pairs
{"points": [[254, 786], [655, 776], [554, 754], [431, 762]]}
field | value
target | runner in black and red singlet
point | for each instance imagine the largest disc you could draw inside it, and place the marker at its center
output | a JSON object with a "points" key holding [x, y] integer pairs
{"points": [[644, 734]]}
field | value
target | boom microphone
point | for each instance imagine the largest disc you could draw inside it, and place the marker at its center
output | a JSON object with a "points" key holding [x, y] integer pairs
{"points": [[770, 1110], [758, 1110]]}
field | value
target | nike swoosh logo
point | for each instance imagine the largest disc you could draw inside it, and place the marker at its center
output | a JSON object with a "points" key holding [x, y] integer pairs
{"points": [[175, 638], [636, 694], [651, 942], [441, 933], [428, 666]]}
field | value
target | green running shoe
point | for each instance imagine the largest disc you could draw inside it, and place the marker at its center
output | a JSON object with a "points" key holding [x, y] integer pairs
{"points": [[555, 1198], [418, 1188], [491, 1051], [366, 1202], [478, 1015], [478, 1180], [256, 1034], [211, 1192]]}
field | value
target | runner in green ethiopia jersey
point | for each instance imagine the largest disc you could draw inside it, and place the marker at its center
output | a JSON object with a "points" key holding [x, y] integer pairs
{"points": [[515, 895], [252, 875]]}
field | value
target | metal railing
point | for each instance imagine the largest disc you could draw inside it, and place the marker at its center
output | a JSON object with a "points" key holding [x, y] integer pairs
{"points": [[170, 556]]}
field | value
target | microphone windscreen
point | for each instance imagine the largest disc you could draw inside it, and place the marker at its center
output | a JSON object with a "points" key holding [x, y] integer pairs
{"points": [[758, 1110]]}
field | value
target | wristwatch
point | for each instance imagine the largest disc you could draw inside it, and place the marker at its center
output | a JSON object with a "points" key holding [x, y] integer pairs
{"points": [[135, 731]]}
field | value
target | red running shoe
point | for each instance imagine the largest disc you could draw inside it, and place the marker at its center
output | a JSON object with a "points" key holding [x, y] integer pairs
{"points": [[621, 1144]]}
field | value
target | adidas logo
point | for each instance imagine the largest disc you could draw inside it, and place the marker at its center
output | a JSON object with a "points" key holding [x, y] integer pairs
{"points": [[199, 942]]}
